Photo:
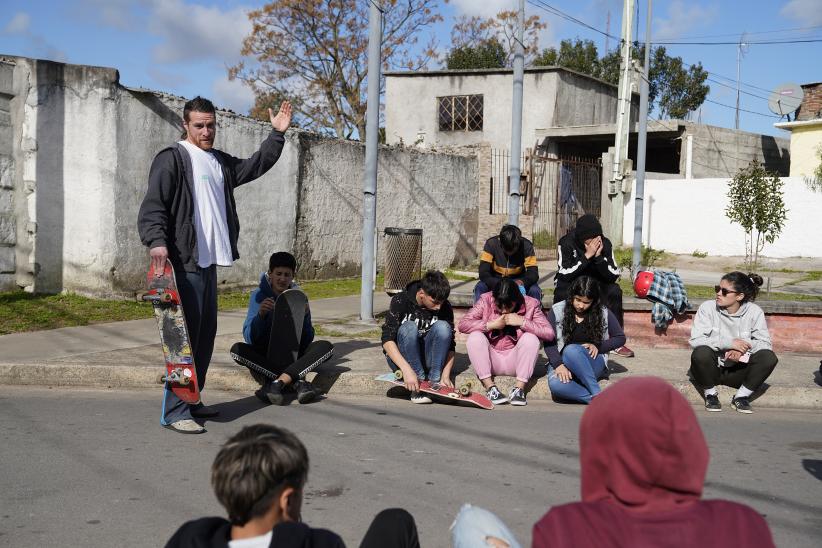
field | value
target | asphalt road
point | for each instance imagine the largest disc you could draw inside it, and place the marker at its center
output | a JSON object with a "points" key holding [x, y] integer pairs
{"points": [[93, 468]]}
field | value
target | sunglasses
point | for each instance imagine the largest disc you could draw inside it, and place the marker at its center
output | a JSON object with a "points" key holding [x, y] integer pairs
{"points": [[723, 290]]}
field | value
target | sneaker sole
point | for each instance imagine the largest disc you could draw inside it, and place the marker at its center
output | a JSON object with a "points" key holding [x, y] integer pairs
{"points": [[500, 402], [518, 403], [713, 410], [306, 397], [169, 427], [745, 411]]}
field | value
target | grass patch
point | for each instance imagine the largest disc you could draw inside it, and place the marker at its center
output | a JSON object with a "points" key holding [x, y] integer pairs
{"points": [[624, 256], [21, 311], [322, 331], [451, 275], [699, 254]]}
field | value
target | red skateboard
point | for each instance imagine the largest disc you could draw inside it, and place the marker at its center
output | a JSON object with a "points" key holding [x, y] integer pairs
{"points": [[181, 375], [463, 393]]}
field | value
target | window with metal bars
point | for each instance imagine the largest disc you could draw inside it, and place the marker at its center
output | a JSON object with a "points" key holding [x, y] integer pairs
{"points": [[460, 113]]}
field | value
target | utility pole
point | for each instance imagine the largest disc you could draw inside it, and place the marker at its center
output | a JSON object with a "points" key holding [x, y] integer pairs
{"points": [[516, 121], [369, 210], [739, 54], [623, 122], [642, 141]]}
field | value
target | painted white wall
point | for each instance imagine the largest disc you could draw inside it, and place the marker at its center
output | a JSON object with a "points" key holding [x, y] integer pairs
{"points": [[411, 107], [685, 215]]}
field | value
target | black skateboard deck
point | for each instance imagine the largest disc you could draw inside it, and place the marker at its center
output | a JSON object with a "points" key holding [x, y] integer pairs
{"points": [[287, 327]]}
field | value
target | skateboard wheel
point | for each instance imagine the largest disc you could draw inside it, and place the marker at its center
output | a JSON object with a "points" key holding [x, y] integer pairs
{"points": [[166, 297], [398, 374], [465, 389], [161, 378]]}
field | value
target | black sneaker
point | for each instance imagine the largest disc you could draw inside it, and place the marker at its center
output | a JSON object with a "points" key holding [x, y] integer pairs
{"points": [[743, 405], [275, 393], [712, 403], [495, 395], [305, 391], [517, 396]]}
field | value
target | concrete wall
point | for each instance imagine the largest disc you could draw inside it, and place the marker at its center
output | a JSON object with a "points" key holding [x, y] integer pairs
{"points": [[806, 147], [682, 216], [584, 101], [721, 152], [76, 148], [431, 191]]}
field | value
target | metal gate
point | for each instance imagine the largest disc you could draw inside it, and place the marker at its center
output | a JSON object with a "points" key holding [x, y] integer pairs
{"points": [[563, 190], [556, 191]]}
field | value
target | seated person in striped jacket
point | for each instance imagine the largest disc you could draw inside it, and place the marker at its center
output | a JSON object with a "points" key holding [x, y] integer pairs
{"points": [[508, 255], [585, 251]]}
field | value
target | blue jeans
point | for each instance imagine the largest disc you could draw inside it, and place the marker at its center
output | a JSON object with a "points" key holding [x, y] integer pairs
{"points": [[423, 352], [533, 291], [586, 372], [473, 524]]}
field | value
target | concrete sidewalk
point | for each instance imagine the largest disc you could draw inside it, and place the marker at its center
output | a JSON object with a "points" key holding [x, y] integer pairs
{"points": [[127, 355]]}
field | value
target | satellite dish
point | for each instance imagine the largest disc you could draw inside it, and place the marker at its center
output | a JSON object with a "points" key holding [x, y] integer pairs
{"points": [[785, 99]]}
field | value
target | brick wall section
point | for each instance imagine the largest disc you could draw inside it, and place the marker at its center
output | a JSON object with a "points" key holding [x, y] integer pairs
{"points": [[789, 333], [489, 224], [811, 103]]}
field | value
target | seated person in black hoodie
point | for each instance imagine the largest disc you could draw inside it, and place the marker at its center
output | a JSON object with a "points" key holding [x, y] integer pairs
{"points": [[584, 251], [418, 333], [258, 476]]}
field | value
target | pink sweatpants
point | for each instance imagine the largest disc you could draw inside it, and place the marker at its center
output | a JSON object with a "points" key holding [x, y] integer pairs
{"points": [[518, 361]]}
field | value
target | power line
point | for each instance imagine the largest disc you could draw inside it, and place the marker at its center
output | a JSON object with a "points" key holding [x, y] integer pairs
{"points": [[742, 109], [559, 13], [795, 29], [736, 42]]}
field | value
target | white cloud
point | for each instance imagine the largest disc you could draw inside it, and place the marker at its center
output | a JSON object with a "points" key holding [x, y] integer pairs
{"points": [[681, 19], [120, 14], [807, 12], [484, 8], [232, 94], [192, 32], [19, 24]]}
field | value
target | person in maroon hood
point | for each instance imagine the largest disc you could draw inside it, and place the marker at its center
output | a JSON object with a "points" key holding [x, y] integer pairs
{"points": [[643, 469]]}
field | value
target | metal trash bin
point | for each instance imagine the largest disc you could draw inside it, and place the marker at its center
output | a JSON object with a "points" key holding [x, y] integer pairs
{"points": [[403, 257]]}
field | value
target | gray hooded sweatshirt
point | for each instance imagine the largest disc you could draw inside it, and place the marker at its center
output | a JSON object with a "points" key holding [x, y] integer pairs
{"points": [[716, 328]]}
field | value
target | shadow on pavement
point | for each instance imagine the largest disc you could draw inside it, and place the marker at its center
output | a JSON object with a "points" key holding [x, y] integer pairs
{"points": [[233, 410], [813, 467]]}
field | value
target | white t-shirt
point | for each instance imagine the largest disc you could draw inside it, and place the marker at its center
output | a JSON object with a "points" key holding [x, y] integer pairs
{"points": [[263, 541], [213, 243]]}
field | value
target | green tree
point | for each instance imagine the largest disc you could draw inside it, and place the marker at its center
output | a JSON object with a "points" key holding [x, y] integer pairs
{"points": [[476, 32], [317, 50], [756, 204], [485, 55], [674, 91]]}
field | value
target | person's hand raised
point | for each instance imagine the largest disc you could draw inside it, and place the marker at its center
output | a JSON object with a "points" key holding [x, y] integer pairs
{"points": [[282, 120]]}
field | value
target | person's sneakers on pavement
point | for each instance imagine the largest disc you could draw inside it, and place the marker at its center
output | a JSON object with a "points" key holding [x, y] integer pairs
{"points": [[517, 396], [185, 426], [624, 351], [495, 395], [742, 404], [305, 391], [275, 393], [712, 402], [419, 397]]}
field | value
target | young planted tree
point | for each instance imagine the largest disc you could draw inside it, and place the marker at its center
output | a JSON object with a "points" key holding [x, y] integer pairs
{"points": [[755, 203], [315, 52]]}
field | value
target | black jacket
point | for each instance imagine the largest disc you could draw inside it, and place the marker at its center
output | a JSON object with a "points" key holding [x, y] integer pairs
{"points": [[404, 308], [166, 215], [572, 263], [216, 532], [496, 265]]}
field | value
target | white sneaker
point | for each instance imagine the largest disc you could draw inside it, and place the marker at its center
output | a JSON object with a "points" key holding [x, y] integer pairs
{"points": [[419, 397], [185, 426]]}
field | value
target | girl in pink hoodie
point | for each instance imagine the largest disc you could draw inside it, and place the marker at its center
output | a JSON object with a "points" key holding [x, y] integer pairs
{"points": [[504, 330]]}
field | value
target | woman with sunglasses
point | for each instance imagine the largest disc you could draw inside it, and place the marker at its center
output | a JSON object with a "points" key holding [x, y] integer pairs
{"points": [[731, 343], [504, 331], [585, 332]]}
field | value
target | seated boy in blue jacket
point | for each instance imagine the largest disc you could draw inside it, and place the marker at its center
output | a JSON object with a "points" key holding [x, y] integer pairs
{"points": [[257, 332]]}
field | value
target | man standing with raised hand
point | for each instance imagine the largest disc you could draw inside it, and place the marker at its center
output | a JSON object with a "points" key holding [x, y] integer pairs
{"points": [[189, 216]]}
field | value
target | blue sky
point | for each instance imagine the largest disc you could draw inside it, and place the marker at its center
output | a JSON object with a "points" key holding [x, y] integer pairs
{"points": [[184, 46]]}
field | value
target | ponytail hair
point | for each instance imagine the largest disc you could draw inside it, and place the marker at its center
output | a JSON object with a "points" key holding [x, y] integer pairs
{"points": [[747, 284]]}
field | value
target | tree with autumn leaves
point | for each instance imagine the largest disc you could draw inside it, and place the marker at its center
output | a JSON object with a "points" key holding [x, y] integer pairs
{"points": [[314, 53]]}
